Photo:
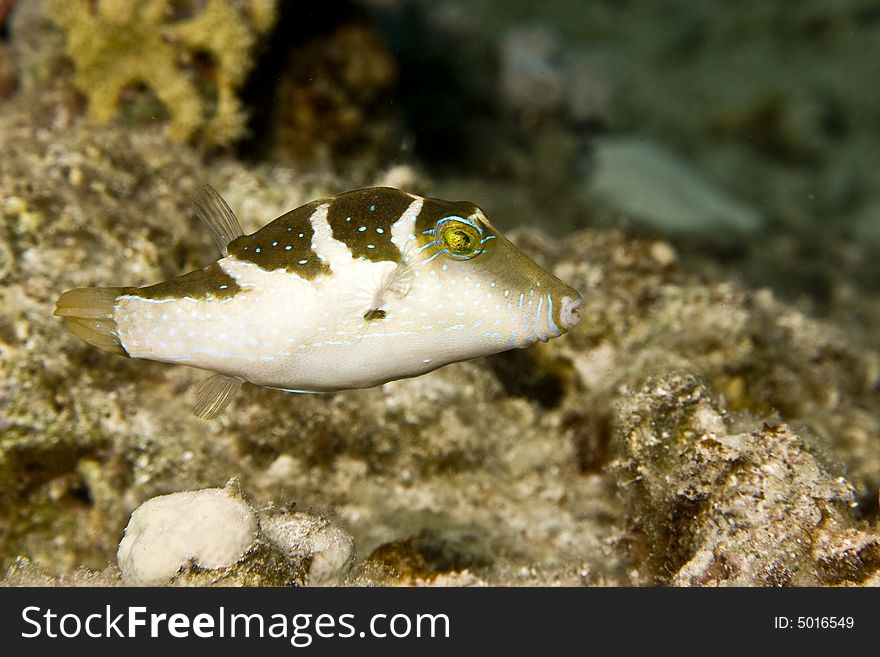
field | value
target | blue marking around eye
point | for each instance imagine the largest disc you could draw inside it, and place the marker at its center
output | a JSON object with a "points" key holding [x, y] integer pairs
{"points": [[436, 254], [463, 220], [486, 239], [428, 232], [422, 248]]}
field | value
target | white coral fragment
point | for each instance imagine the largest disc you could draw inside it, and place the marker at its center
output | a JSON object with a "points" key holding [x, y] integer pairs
{"points": [[211, 527]]}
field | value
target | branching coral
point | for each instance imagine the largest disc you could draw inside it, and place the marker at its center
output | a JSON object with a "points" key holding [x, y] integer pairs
{"points": [[116, 45]]}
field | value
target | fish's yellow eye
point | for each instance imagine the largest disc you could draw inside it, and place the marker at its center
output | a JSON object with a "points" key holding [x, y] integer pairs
{"points": [[460, 239]]}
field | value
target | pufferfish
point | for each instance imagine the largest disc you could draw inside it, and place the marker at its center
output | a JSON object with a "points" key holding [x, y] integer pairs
{"points": [[349, 291]]}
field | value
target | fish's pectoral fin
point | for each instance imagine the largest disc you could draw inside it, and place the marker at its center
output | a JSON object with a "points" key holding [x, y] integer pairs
{"points": [[213, 211], [397, 282], [214, 394]]}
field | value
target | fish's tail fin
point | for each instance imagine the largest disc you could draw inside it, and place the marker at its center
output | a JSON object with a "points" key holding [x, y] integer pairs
{"points": [[89, 314]]}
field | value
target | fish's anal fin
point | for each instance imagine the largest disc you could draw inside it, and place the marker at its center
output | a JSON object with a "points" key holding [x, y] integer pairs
{"points": [[213, 211], [214, 395]]}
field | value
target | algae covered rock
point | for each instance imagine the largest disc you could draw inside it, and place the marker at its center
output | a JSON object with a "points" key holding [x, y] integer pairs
{"points": [[328, 549], [720, 504]]}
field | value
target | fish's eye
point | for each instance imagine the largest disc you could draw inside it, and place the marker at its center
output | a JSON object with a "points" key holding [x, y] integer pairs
{"points": [[460, 239]]}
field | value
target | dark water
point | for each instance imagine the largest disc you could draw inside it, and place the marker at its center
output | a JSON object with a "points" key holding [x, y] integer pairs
{"points": [[775, 103]]}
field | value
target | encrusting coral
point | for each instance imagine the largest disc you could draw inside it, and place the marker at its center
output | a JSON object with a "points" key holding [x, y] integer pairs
{"points": [[118, 45]]}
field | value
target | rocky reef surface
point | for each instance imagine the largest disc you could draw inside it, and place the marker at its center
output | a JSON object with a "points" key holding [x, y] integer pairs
{"points": [[694, 429], [688, 431]]}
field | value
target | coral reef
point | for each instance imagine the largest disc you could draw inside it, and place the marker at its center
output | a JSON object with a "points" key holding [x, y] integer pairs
{"points": [[736, 506], [556, 465], [695, 428], [192, 56]]}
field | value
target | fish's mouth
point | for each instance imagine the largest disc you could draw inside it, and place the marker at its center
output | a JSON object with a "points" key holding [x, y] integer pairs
{"points": [[568, 314]]}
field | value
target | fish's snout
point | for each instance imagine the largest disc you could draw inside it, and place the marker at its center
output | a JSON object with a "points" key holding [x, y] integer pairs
{"points": [[568, 314]]}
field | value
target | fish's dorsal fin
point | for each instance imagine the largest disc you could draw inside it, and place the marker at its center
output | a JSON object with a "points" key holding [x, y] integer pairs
{"points": [[214, 394], [210, 207]]}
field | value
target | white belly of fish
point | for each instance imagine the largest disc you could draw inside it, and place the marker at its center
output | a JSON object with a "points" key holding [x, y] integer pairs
{"points": [[285, 332]]}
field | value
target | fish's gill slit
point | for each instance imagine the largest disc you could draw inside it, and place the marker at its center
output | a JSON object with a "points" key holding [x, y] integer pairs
{"points": [[539, 317], [554, 328]]}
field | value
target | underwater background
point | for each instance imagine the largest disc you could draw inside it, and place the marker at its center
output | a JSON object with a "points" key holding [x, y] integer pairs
{"points": [[706, 174]]}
